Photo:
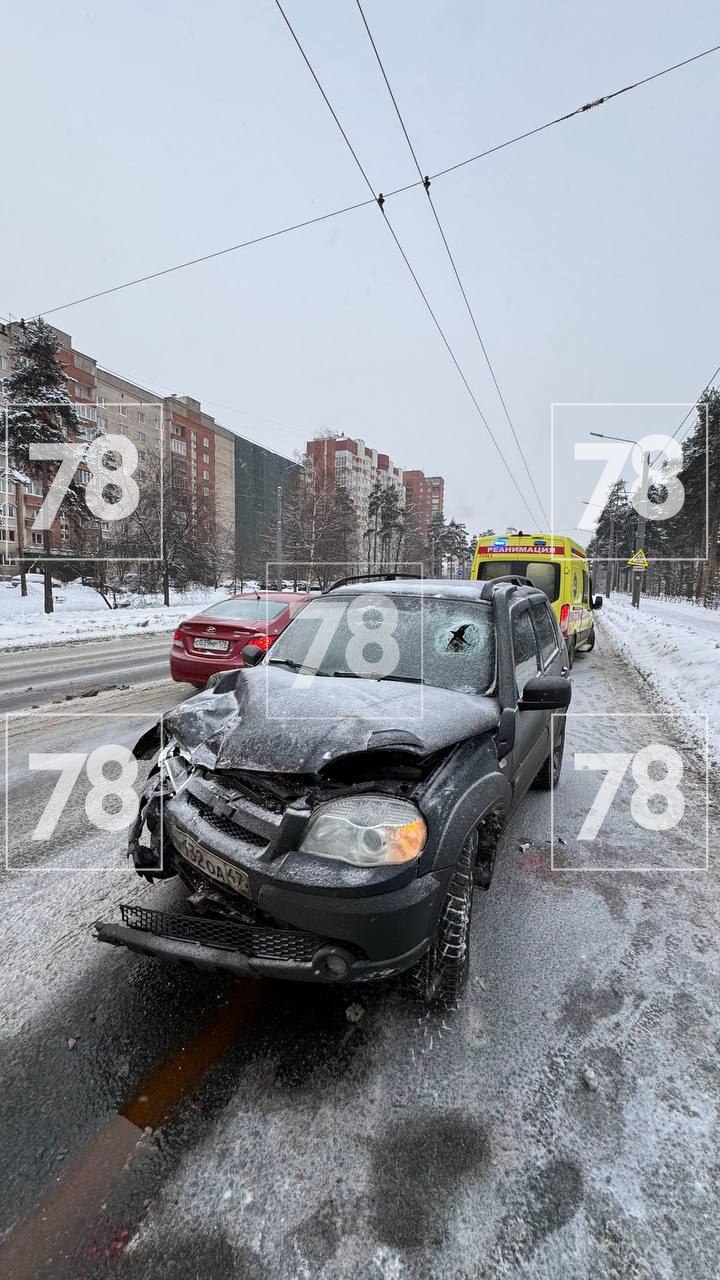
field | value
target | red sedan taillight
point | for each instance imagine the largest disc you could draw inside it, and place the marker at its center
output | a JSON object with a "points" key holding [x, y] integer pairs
{"points": [[262, 642]]}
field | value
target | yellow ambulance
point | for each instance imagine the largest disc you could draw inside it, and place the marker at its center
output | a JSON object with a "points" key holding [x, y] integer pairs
{"points": [[558, 566]]}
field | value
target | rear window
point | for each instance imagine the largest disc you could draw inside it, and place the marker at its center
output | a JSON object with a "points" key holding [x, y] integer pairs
{"points": [[541, 574], [245, 610]]}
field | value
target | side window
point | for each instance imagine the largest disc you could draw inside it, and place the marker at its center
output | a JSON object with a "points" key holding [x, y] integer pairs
{"points": [[545, 626], [586, 587], [527, 662]]}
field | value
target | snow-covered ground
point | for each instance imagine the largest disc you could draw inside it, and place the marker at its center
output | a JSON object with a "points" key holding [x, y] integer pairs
{"points": [[81, 614], [676, 646]]}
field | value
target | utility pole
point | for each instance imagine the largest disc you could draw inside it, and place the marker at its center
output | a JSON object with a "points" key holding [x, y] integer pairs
{"points": [[20, 532], [611, 548], [279, 538], [640, 534]]}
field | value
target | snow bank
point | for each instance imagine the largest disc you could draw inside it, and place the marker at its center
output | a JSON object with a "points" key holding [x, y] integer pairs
{"points": [[81, 614], [676, 647]]}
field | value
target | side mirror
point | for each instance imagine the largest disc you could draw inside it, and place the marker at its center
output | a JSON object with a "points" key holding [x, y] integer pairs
{"points": [[597, 602], [251, 655], [546, 693]]}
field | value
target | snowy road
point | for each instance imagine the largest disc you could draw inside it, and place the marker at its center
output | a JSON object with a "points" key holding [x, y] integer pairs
{"points": [[42, 675], [561, 1125]]}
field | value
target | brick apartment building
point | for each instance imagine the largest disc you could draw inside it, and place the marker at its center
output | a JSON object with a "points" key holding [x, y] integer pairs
{"points": [[350, 463], [202, 452], [425, 495]]}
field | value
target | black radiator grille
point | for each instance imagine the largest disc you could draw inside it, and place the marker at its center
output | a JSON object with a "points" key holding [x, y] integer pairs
{"points": [[250, 940], [228, 826]]}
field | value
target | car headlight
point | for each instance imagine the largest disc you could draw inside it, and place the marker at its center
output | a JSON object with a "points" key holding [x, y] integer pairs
{"points": [[368, 831]]}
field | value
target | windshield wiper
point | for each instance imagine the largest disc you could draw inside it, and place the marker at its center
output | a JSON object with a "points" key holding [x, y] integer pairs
{"points": [[403, 679], [292, 665]]}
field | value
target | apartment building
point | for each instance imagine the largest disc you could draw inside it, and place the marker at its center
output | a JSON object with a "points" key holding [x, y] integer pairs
{"points": [[350, 463], [343, 461], [201, 451], [258, 474]]}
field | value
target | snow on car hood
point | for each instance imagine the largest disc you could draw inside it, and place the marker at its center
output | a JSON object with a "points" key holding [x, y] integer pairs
{"points": [[271, 722]]}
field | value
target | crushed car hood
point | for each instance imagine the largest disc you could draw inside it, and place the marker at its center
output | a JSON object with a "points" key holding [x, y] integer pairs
{"points": [[267, 722]]}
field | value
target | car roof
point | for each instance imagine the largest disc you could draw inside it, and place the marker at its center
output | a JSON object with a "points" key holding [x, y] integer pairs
{"points": [[448, 588], [480, 592]]}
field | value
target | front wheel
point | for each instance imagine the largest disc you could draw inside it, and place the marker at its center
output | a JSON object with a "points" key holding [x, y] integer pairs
{"points": [[549, 774], [438, 979]]}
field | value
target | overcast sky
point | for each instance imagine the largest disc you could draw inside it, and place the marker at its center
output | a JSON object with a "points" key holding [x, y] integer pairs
{"points": [[138, 135]]}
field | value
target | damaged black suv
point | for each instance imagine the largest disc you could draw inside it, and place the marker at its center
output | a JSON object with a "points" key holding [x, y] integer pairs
{"points": [[332, 806]]}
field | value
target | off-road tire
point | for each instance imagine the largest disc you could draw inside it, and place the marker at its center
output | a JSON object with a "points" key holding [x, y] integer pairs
{"points": [[438, 979], [548, 776]]}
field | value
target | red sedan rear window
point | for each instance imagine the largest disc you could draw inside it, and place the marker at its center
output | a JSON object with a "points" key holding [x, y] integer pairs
{"points": [[246, 610]]}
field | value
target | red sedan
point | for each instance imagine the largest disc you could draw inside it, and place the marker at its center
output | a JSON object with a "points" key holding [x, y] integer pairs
{"points": [[214, 639]]}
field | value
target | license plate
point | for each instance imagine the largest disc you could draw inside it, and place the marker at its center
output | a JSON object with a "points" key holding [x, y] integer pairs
{"points": [[209, 863], [219, 646]]}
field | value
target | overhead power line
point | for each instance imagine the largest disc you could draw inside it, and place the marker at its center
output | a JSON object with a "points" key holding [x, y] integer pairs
{"points": [[694, 406], [206, 257], [335, 213], [579, 111], [426, 185], [406, 260]]}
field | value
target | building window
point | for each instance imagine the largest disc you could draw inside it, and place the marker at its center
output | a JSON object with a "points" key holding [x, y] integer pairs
{"points": [[102, 422], [141, 436], [83, 476], [206, 475], [176, 429], [37, 539], [123, 411], [141, 454], [101, 400], [141, 416], [206, 457], [206, 443], [179, 446]]}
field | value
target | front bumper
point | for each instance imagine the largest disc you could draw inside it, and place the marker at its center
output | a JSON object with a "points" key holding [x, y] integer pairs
{"points": [[300, 917], [255, 952]]}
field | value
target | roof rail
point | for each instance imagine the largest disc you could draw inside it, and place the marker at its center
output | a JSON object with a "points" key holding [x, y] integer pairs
{"points": [[511, 579], [371, 577]]}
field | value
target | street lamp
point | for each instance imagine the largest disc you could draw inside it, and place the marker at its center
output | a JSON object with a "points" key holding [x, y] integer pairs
{"points": [[641, 523]]}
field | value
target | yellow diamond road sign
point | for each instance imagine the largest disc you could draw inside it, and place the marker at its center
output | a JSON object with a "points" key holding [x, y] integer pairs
{"points": [[639, 560]]}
